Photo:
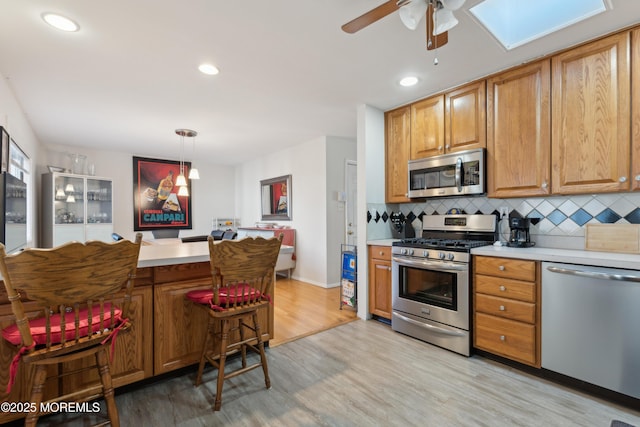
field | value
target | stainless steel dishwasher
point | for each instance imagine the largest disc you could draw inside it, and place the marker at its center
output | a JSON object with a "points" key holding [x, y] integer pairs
{"points": [[590, 320]]}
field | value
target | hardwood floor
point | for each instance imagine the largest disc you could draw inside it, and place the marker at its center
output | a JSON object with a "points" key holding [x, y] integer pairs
{"points": [[364, 374], [360, 373], [302, 309]]}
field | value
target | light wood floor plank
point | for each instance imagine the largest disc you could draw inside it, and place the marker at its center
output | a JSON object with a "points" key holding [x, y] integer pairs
{"points": [[364, 374], [302, 309], [359, 374]]}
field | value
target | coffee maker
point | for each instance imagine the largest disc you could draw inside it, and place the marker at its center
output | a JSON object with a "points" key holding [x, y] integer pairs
{"points": [[519, 236]]}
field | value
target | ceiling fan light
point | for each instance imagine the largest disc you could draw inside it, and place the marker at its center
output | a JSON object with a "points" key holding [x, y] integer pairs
{"points": [[452, 4], [412, 13], [444, 20]]}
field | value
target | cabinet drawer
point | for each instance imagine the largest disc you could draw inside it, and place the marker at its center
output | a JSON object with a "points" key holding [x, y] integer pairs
{"points": [[508, 338], [380, 252], [505, 267], [507, 308], [505, 288]]}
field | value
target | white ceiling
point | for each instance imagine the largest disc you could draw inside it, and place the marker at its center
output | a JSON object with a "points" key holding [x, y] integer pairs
{"points": [[288, 73]]}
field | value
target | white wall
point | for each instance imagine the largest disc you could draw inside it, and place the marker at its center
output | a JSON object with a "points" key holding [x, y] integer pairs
{"points": [[370, 188], [309, 164], [14, 120], [306, 165], [212, 195]]}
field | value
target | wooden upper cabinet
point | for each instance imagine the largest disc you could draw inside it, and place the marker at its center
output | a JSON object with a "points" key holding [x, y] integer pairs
{"points": [[427, 127], [465, 121], [397, 145], [635, 110], [519, 132], [591, 143]]}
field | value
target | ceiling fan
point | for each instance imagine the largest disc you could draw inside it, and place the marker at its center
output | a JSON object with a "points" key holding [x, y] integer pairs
{"points": [[439, 17]]}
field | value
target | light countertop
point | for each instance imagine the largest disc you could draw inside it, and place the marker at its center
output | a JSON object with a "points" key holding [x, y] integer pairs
{"points": [[569, 256], [382, 242], [173, 251]]}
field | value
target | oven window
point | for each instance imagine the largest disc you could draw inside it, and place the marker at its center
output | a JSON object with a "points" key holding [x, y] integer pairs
{"points": [[430, 287]]}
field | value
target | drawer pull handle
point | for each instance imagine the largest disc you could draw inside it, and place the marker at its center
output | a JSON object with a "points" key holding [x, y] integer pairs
{"points": [[381, 253], [503, 338], [502, 288], [501, 268], [502, 308]]}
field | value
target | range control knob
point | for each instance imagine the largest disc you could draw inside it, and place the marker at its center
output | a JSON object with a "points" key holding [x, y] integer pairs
{"points": [[450, 256], [425, 254], [441, 255], [406, 251]]}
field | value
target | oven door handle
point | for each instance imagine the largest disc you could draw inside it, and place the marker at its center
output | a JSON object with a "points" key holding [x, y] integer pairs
{"points": [[421, 263], [429, 327]]}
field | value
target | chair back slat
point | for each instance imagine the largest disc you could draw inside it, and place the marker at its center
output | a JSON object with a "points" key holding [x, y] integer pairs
{"points": [[75, 283], [243, 270]]}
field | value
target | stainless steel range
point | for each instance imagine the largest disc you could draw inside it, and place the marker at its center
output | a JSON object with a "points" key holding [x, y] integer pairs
{"points": [[431, 280]]}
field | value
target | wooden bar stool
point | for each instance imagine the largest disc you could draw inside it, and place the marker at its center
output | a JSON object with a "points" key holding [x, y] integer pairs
{"points": [[243, 274], [84, 290]]}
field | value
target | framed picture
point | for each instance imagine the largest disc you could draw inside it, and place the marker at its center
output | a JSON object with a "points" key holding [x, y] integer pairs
{"points": [[156, 202], [4, 164], [276, 198]]}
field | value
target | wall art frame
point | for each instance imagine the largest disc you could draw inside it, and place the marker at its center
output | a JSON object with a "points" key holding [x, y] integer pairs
{"points": [[156, 204]]}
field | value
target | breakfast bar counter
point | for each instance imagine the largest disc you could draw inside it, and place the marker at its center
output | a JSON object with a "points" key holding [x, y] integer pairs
{"points": [[167, 331]]}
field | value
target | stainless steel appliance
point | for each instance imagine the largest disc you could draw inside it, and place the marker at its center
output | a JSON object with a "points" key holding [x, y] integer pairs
{"points": [[455, 174], [519, 236], [431, 279], [590, 321]]}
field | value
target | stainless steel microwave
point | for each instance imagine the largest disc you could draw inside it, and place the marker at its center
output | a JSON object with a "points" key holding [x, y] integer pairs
{"points": [[455, 174]]}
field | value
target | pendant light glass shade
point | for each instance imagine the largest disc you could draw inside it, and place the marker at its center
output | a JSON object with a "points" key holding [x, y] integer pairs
{"points": [[194, 174], [181, 181], [71, 198], [60, 194], [444, 20], [412, 13], [69, 188], [183, 191]]}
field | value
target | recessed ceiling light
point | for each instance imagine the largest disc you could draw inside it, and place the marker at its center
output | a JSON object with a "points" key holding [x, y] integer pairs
{"points": [[60, 22], [209, 69], [408, 81]]}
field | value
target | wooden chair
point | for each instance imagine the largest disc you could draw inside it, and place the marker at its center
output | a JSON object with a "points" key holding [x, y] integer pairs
{"points": [[75, 284], [243, 274]]}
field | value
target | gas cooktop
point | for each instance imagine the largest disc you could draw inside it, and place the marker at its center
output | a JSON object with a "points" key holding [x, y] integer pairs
{"points": [[430, 243]]}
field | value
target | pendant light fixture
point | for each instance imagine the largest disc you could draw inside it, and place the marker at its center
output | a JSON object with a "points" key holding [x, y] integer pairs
{"points": [[193, 172], [181, 181]]}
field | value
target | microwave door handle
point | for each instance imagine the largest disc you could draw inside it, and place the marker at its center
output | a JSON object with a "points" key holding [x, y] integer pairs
{"points": [[459, 174]]}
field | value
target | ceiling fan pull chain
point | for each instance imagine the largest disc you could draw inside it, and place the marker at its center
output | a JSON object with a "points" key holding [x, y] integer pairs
{"points": [[435, 25]]}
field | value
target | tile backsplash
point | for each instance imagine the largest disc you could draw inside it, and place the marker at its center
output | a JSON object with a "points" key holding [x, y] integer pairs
{"points": [[559, 220]]}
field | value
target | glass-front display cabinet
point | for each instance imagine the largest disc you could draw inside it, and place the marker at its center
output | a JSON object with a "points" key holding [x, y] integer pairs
{"points": [[76, 207]]}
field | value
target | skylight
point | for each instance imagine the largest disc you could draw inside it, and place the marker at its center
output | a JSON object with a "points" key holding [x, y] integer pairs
{"points": [[516, 22]]}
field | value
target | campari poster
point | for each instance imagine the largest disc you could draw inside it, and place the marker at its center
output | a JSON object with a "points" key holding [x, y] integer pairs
{"points": [[156, 202]]}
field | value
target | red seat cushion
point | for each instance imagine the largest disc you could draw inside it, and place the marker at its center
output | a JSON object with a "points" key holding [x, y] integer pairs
{"points": [[38, 326], [226, 296]]}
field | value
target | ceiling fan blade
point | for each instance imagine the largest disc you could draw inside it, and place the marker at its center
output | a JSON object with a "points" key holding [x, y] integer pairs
{"points": [[370, 17], [434, 42]]}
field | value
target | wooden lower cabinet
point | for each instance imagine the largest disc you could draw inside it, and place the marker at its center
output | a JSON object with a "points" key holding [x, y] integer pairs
{"points": [[506, 308], [167, 334], [179, 325], [380, 281]]}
